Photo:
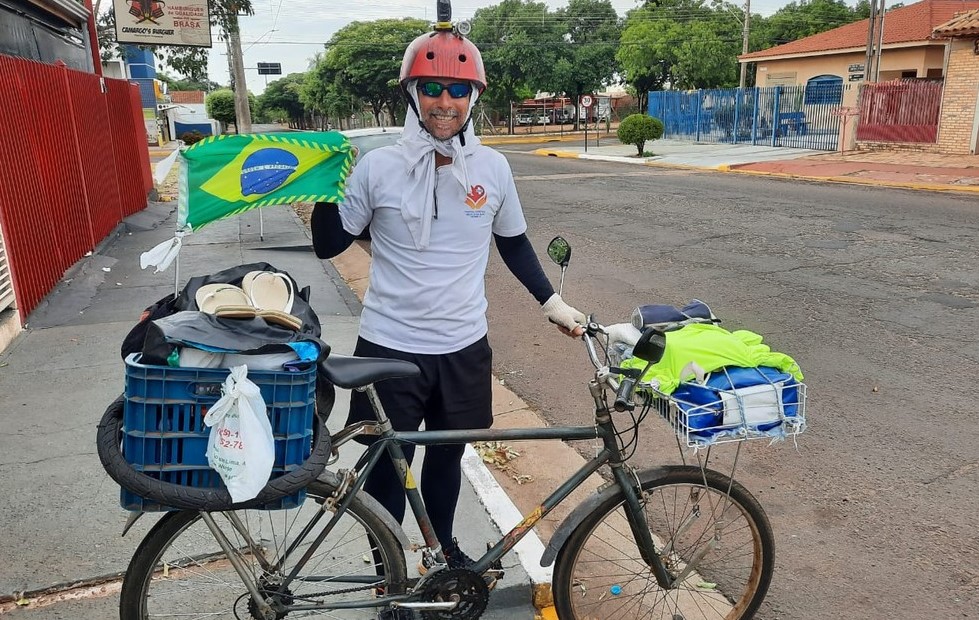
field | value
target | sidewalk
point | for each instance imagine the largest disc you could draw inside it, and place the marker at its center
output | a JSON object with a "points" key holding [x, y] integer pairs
{"points": [[61, 514], [923, 171]]}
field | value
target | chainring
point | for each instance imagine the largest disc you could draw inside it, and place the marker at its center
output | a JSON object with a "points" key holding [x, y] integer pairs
{"points": [[459, 585]]}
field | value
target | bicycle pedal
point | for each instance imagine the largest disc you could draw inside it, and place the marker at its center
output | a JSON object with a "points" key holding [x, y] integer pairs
{"points": [[398, 613]]}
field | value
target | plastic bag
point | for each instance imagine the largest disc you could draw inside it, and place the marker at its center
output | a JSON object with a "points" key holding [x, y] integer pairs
{"points": [[240, 446]]}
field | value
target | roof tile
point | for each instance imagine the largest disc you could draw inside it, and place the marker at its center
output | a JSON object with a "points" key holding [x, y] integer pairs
{"points": [[960, 25]]}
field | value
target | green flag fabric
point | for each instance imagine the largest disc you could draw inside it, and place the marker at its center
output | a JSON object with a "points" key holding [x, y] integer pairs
{"points": [[227, 175]]}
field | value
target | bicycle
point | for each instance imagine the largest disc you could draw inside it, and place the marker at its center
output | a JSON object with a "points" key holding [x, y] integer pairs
{"points": [[675, 542]]}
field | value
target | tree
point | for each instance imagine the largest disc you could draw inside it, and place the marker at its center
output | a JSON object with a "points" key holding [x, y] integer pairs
{"points": [[220, 105], [174, 83], [283, 94], [638, 129], [320, 92], [680, 44], [364, 59], [586, 61], [519, 42]]}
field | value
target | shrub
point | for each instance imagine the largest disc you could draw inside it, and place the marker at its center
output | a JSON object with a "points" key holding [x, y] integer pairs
{"points": [[191, 137], [637, 129]]}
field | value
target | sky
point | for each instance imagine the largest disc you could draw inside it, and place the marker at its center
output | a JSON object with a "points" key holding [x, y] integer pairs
{"points": [[291, 32]]}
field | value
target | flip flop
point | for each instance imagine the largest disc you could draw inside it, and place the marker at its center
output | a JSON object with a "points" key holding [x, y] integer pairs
{"points": [[268, 290], [224, 300], [272, 295]]}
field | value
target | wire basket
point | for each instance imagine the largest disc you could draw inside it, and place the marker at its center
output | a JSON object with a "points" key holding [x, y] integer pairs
{"points": [[702, 416]]}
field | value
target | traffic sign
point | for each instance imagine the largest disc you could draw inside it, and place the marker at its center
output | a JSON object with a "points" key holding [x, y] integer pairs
{"points": [[269, 68], [586, 101]]}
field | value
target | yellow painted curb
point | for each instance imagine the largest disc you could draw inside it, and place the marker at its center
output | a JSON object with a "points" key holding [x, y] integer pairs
{"points": [[548, 613], [554, 153], [490, 140], [931, 187]]}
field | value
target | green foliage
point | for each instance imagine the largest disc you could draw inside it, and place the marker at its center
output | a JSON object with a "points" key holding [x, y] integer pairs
{"points": [[638, 129], [362, 63], [586, 61], [518, 42], [174, 83], [220, 105], [284, 95]]}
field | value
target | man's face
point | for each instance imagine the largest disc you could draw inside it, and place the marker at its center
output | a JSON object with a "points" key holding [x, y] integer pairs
{"points": [[442, 113]]}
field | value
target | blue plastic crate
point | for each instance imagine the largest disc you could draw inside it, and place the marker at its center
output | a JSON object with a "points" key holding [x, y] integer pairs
{"points": [[164, 435]]}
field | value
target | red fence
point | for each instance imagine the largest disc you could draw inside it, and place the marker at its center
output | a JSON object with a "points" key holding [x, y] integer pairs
{"points": [[74, 161], [900, 112]]}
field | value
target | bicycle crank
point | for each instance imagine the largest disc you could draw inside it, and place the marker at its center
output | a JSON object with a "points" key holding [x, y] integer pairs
{"points": [[461, 586]]}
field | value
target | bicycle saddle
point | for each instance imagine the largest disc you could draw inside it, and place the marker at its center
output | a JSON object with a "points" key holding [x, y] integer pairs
{"points": [[349, 372]]}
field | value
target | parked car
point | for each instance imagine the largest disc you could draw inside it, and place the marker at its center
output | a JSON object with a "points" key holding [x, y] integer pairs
{"points": [[525, 119], [370, 138], [544, 120]]}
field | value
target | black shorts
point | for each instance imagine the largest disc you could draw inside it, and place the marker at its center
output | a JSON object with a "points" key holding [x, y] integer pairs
{"points": [[453, 392]]}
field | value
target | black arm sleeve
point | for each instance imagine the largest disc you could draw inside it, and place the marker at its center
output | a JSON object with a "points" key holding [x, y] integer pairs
{"points": [[329, 237], [519, 257]]}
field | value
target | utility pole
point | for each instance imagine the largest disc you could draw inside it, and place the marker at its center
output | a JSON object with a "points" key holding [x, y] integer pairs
{"points": [[880, 40], [242, 112], [869, 60], [744, 39]]}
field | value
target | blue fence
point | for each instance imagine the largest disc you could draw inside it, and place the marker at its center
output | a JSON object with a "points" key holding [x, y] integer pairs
{"points": [[792, 116]]}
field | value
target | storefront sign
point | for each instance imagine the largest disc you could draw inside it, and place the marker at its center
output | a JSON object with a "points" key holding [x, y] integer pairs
{"points": [[153, 22], [854, 68], [856, 77]]}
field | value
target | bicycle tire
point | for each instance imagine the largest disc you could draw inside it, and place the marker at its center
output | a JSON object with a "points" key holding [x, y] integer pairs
{"points": [[108, 441], [600, 574], [182, 542]]}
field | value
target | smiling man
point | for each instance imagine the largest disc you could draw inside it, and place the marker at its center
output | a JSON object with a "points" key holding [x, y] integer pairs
{"points": [[434, 202]]}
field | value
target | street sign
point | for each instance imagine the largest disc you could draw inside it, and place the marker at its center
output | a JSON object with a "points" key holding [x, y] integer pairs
{"points": [[269, 68], [586, 101]]}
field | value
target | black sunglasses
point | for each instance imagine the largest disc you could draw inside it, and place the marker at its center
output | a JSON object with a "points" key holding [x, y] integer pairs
{"points": [[435, 89]]}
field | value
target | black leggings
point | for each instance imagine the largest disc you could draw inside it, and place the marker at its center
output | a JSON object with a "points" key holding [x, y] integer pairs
{"points": [[440, 482], [453, 391]]}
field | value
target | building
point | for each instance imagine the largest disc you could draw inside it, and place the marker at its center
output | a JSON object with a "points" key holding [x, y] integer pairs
{"points": [[958, 130], [910, 49]]}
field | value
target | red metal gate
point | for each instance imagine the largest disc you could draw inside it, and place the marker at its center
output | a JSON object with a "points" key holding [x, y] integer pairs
{"points": [[73, 162], [900, 112]]}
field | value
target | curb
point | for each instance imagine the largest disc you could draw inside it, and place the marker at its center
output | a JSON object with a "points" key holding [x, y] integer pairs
{"points": [[930, 187], [531, 138]]}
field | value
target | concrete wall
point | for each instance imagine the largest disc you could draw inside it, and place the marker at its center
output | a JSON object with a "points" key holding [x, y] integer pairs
{"points": [[957, 129]]}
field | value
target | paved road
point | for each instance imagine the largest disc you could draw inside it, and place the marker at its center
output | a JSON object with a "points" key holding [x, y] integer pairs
{"points": [[876, 294]]}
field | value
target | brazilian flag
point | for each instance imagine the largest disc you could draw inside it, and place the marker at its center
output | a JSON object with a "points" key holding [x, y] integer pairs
{"points": [[226, 175]]}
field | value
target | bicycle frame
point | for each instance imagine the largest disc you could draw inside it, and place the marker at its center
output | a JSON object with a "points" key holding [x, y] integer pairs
{"points": [[390, 442]]}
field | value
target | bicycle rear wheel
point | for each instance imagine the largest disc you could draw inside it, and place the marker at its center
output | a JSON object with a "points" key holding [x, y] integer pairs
{"points": [[709, 531], [179, 570]]}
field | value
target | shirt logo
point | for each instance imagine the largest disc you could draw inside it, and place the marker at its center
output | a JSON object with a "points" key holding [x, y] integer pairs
{"points": [[476, 198]]}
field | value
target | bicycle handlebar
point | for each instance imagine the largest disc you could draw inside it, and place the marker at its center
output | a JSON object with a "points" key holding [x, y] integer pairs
{"points": [[625, 389]]}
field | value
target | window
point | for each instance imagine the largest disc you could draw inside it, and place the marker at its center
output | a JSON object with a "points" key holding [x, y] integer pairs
{"points": [[825, 89]]}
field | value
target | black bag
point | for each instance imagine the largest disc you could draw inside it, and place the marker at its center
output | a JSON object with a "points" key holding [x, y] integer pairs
{"points": [[185, 300]]}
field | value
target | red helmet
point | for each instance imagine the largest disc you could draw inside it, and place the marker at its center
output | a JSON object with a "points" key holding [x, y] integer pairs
{"points": [[443, 54]]}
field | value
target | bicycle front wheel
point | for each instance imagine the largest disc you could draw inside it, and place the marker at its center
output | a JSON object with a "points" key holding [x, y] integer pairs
{"points": [[180, 571], [711, 534]]}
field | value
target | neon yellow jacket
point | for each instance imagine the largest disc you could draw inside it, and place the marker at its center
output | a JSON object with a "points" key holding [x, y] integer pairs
{"points": [[710, 347]]}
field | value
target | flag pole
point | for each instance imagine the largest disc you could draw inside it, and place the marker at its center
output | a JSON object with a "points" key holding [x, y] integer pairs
{"points": [[261, 225]]}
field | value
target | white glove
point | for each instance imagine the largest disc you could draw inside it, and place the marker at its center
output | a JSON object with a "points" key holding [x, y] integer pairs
{"points": [[625, 333], [562, 314]]}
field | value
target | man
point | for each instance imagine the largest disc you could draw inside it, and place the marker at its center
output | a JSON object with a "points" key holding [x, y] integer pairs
{"points": [[433, 203]]}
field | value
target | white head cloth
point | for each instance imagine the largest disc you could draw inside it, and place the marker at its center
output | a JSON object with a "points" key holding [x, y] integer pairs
{"points": [[419, 148]]}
